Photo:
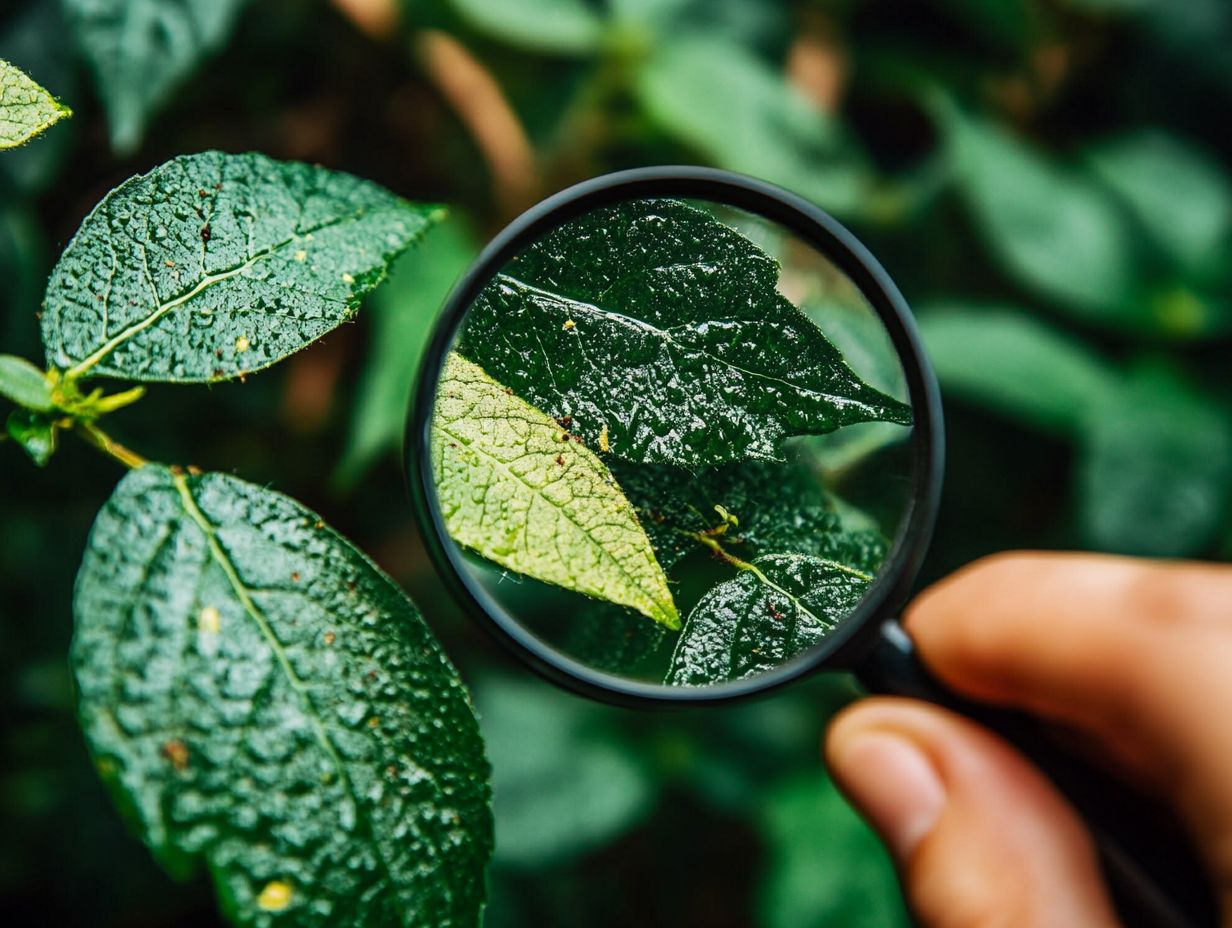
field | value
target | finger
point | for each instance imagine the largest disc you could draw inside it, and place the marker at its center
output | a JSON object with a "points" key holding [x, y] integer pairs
{"points": [[1135, 654], [980, 837]]}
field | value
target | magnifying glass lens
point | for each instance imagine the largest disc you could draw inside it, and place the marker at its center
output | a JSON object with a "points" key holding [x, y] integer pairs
{"points": [[671, 443]]}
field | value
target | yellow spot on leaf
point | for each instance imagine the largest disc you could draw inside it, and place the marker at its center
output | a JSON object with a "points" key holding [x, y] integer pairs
{"points": [[301, 256], [569, 325], [209, 620], [348, 279], [330, 638], [242, 344], [604, 444], [374, 722], [275, 897]]}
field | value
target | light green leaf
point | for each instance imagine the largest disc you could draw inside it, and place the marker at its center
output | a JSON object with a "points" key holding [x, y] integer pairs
{"points": [[1178, 193], [824, 867], [35, 432], [562, 783], [32, 38], [1015, 364], [26, 109], [403, 313], [514, 488], [773, 609], [1054, 230], [214, 266], [715, 96], [659, 330], [24, 384], [263, 700], [1155, 472], [142, 50], [561, 26]]}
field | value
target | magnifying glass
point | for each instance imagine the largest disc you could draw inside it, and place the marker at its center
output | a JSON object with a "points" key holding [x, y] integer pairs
{"points": [[675, 441]]}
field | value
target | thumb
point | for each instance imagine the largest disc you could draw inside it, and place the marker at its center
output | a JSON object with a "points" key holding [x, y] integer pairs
{"points": [[979, 835]]}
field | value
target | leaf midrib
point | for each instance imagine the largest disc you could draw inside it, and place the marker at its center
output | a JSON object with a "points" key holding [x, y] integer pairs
{"points": [[162, 309], [666, 336], [193, 511]]}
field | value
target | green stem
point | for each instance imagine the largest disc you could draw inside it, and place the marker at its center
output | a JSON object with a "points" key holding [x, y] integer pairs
{"points": [[99, 439]]}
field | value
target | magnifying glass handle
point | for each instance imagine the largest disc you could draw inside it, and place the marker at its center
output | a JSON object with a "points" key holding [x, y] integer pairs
{"points": [[1151, 867]]}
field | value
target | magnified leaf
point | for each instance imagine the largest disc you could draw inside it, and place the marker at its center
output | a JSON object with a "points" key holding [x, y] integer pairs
{"points": [[748, 509], [660, 332], [214, 266], [261, 699], [26, 109], [514, 487], [777, 607], [141, 50], [748, 516]]}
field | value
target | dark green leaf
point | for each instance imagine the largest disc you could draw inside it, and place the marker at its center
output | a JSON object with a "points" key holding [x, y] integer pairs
{"points": [[774, 609], [824, 866], [562, 784], [142, 50], [563, 26], [1015, 364], [262, 699], [612, 639], [660, 332], [35, 433], [1054, 230], [213, 266], [26, 109], [513, 487], [24, 384], [1179, 194], [1155, 474], [777, 507], [717, 97], [403, 312]]}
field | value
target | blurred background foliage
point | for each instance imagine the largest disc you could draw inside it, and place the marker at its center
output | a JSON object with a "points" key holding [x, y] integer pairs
{"points": [[1047, 180]]}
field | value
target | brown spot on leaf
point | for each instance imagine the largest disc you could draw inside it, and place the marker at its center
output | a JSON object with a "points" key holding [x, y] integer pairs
{"points": [[330, 638], [205, 232], [295, 576], [176, 752]]}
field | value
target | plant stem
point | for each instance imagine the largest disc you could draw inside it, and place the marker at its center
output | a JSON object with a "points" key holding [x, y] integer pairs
{"points": [[105, 443]]}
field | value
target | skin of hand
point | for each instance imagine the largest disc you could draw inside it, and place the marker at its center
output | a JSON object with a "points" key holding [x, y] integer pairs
{"points": [[1134, 656]]}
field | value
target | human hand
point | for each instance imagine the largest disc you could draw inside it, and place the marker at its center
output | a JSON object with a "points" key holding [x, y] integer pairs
{"points": [[1135, 656]]}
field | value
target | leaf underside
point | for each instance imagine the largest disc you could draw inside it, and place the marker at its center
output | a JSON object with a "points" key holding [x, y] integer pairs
{"points": [[660, 329], [213, 266], [141, 50], [26, 109], [515, 488], [261, 698]]}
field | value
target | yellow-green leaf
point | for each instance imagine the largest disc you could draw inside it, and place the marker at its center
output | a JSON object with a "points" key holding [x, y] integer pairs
{"points": [[516, 488], [26, 109]]}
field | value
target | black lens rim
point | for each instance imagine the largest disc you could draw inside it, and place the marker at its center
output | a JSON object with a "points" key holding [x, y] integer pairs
{"points": [[842, 649]]}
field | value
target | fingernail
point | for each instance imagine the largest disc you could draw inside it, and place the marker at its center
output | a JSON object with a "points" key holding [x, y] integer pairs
{"points": [[894, 784]]}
